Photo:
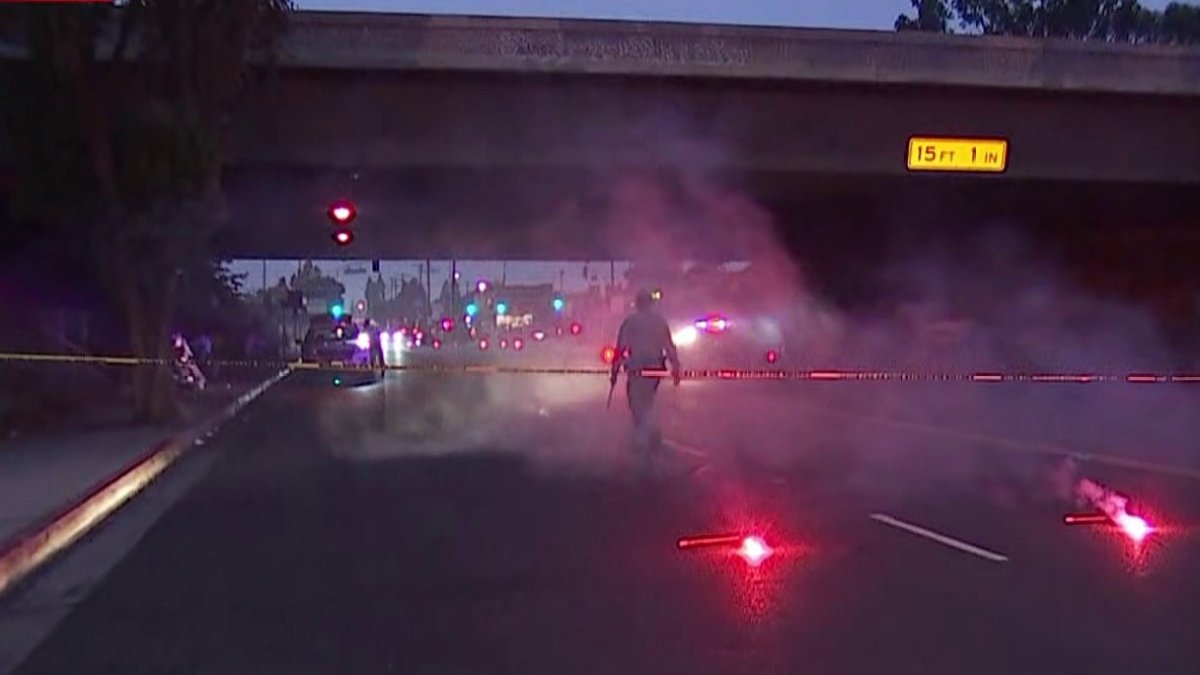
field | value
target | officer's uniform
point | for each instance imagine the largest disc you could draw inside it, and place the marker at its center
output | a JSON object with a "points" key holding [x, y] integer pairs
{"points": [[644, 342]]}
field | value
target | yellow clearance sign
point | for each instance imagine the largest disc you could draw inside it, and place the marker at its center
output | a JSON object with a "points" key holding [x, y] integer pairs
{"points": [[986, 155]]}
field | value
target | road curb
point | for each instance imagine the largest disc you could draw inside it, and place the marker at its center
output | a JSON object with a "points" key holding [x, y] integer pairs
{"points": [[39, 544]]}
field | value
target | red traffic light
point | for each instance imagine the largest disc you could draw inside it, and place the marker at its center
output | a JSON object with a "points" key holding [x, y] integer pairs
{"points": [[343, 237], [342, 212], [576, 329]]}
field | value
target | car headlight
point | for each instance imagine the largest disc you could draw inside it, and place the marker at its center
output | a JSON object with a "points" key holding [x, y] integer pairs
{"points": [[363, 341], [686, 336]]}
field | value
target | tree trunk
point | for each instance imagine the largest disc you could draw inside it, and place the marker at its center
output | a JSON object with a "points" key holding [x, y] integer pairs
{"points": [[149, 305]]}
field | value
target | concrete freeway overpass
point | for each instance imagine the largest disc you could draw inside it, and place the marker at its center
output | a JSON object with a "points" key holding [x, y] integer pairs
{"points": [[484, 136], [476, 136]]}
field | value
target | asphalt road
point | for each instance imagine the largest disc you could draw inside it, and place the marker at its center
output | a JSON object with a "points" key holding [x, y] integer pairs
{"points": [[497, 525]]}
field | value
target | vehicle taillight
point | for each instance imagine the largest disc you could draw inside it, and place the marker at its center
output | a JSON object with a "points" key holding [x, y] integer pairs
{"points": [[436, 344], [609, 355], [576, 329], [772, 356], [518, 344], [483, 345], [504, 343]]}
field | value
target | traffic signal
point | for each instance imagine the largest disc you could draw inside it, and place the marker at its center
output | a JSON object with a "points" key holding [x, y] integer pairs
{"points": [[502, 308], [337, 310], [343, 236], [341, 213], [472, 309], [558, 303]]}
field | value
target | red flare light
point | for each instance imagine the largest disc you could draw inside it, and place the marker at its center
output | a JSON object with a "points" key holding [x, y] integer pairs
{"points": [[754, 550], [708, 540], [1134, 527], [1085, 519]]}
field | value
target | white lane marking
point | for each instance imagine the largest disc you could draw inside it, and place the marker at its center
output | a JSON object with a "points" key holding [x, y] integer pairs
{"points": [[939, 538]]}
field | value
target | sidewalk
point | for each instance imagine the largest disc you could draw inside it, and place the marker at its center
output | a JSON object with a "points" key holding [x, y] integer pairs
{"points": [[41, 474]]}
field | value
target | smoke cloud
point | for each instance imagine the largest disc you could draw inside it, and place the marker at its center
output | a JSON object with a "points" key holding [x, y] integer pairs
{"points": [[986, 300]]}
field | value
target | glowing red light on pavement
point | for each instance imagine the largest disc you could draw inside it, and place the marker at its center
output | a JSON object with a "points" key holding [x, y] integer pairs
{"points": [[754, 550], [1134, 527], [608, 355]]}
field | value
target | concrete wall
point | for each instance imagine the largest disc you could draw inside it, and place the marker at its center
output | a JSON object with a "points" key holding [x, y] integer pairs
{"points": [[363, 120], [422, 42]]}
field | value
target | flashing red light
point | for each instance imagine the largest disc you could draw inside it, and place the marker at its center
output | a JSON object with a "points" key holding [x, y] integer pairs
{"points": [[343, 237], [518, 344], [772, 356], [436, 344], [576, 329], [714, 323], [483, 345], [754, 550], [608, 355], [342, 212]]}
